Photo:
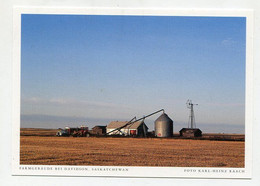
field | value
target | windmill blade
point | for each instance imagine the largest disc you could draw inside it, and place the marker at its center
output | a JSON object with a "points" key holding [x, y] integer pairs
{"points": [[188, 103]]}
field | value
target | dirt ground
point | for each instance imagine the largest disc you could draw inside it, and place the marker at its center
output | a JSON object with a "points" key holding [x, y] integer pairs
{"points": [[46, 150]]}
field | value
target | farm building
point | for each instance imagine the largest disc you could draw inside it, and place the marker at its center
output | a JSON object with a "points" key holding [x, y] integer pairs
{"points": [[135, 129], [190, 132], [98, 130]]}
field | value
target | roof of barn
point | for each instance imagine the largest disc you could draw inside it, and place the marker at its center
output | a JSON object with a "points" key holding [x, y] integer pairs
{"points": [[186, 129], [99, 126], [117, 124]]}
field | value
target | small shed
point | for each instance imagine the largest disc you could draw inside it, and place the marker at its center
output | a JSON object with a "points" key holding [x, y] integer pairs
{"points": [[98, 130], [135, 129], [190, 132]]}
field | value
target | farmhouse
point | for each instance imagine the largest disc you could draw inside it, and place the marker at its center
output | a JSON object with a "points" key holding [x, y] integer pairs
{"points": [[135, 129], [190, 132], [98, 130]]}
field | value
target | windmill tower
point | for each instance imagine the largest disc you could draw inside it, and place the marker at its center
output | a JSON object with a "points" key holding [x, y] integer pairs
{"points": [[191, 123], [191, 131]]}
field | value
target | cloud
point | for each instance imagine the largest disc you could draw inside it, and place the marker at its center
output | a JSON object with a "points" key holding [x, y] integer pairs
{"points": [[58, 101], [32, 100], [227, 104], [70, 102], [74, 107], [228, 42]]}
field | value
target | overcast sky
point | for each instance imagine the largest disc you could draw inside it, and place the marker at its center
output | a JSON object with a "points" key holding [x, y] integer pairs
{"points": [[86, 69]]}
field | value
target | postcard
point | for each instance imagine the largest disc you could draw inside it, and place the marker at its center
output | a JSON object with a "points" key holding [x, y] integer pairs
{"points": [[132, 92]]}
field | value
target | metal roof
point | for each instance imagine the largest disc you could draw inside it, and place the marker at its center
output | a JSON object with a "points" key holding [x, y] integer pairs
{"points": [[117, 124], [163, 117]]}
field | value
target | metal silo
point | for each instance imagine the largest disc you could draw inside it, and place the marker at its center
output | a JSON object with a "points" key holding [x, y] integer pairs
{"points": [[163, 126]]}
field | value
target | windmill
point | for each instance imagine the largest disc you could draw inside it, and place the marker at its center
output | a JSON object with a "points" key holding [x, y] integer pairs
{"points": [[191, 131], [191, 122]]}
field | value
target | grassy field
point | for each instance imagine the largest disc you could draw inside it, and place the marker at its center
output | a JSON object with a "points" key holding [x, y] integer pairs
{"points": [[37, 132], [47, 150]]}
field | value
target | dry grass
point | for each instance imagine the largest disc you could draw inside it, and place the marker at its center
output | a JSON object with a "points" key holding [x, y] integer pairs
{"points": [[38, 132], [130, 152]]}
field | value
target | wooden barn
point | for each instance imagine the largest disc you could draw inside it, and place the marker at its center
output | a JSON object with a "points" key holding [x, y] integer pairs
{"points": [[190, 132], [136, 129], [98, 130]]}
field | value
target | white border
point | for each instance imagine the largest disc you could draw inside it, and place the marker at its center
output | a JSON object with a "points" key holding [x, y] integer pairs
{"points": [[131, 171]]}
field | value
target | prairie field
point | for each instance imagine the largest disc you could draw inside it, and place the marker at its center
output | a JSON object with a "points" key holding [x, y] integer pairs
{"points": [[37, 132], [107, 151]]}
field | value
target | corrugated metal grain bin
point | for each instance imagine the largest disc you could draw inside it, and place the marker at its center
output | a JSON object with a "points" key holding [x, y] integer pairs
{"points": [[163, 126]]}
